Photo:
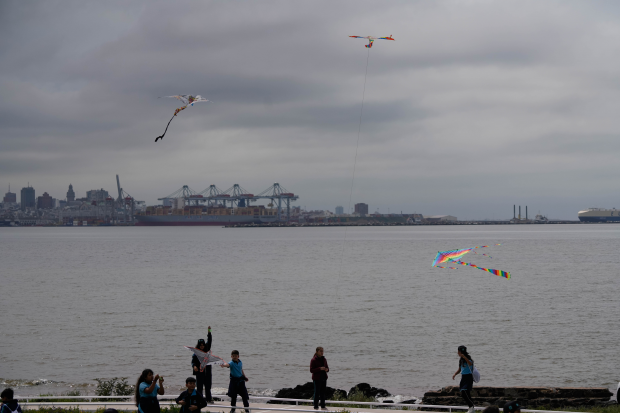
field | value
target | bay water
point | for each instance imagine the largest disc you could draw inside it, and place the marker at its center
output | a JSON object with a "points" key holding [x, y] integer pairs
{"points": [[84, 303]]}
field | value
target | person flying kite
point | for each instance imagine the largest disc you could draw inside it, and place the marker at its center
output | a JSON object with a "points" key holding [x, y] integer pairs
{"points": [[454, 257], [188, 100], [205, 358], [371, 39]]}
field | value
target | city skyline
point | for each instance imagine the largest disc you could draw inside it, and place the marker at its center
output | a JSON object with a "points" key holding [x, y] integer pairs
{"points": [[101, 194], [455, 121]]}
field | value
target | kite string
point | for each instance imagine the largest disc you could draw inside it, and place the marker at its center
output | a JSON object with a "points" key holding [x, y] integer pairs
{"points": [[359, 130]]}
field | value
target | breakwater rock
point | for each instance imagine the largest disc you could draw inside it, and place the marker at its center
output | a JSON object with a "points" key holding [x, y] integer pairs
{"points": [[529, 397], [306, 391], [368, 391]]}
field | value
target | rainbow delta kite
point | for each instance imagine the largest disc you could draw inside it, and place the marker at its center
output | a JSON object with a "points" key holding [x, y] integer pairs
{"points": [[205, 358], [454, 257], [372, 39], [188, 100]]}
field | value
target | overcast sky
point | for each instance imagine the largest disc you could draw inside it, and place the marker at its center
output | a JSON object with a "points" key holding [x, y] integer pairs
{"points": [[477, 105]]}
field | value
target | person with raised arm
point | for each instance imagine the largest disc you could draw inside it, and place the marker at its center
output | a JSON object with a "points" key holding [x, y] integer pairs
{"points": [[203, 378]]}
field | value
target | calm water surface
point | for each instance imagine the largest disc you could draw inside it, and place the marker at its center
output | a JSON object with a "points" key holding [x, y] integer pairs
{"points": [[85, 303]]}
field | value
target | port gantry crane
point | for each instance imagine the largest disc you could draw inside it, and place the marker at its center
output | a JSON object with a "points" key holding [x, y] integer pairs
{"points": [[125, 203], [237, 196], [214, 195], [277, 193], [240, 196], [185, 192]]}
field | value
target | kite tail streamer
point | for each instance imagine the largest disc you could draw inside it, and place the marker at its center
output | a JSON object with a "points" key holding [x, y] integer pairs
{"points": [[499, 273], [162, 136]]}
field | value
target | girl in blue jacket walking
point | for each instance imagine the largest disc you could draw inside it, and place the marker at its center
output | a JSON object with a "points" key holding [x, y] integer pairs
{"points": [[466, 366]]}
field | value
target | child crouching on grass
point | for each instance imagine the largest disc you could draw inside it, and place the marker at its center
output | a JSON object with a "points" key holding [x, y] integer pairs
{"points": [[190, 399], [237, 382], [9, 404]]}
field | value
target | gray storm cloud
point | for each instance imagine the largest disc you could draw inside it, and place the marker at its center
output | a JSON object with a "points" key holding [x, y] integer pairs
{"points": [[475, 106]]}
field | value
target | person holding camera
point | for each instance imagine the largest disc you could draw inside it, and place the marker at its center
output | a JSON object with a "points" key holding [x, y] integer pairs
{"points": [[147, 389]]}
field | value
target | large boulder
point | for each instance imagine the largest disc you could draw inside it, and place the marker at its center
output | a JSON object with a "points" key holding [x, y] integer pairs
{"points": [[306, 391], [530, 397], [368, 391], [335, 394]]}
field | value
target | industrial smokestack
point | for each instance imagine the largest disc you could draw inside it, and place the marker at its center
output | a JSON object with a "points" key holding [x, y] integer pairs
{"points": [[514, 211], [526, 212], [519, 212]]}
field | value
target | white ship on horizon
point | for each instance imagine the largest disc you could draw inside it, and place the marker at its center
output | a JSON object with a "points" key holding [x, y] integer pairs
{"points": [[599, 215]]}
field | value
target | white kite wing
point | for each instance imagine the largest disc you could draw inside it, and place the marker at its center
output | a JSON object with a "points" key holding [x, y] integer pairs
{"points": [[199, 99], [214, 360], [205, 358], [202, 356], [182, 98]]}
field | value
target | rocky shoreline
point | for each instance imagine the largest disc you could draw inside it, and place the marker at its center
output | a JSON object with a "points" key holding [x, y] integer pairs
{"points": [[529, 397], [361, 390]]}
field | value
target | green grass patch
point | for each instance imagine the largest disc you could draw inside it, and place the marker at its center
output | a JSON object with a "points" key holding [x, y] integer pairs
{"points": [[116, 386], [42, 397], [614, 408], [353, 397], [171, 409]]}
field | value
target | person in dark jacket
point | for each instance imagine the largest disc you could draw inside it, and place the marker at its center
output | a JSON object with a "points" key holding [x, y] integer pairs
{"points": [[319, 369], [190, 399], [512, 407], [203, 378], [9, 404]]}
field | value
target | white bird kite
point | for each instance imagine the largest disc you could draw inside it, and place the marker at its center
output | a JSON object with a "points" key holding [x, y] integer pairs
{"points": [[188, 100]]}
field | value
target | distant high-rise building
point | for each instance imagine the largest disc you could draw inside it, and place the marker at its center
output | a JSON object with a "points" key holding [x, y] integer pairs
{"points": [[97, 195], [361, 209], [70, 194], [339, 210], [45, 201], [28, 199], [10, 197]]}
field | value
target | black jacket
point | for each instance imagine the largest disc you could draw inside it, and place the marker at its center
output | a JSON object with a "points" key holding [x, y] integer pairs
{"points": [[195, 399], [13, 405], [196, 362]]}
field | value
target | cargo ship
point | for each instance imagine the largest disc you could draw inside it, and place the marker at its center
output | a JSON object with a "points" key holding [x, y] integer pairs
{"points": [[206, 215], [599, 215]]}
